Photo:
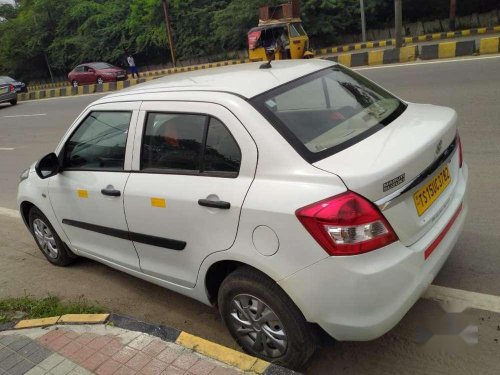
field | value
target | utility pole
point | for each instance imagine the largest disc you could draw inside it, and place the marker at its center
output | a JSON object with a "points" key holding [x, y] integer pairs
{"points": [[453, 14], [363, 21], [398, 17], [169, 32]]}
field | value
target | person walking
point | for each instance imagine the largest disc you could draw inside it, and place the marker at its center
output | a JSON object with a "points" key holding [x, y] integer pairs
{"points": [[132, 67]]}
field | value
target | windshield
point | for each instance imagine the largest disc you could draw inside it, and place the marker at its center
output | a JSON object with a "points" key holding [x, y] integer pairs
{"points": [[5, 79], [328, 111], [101, 66]]}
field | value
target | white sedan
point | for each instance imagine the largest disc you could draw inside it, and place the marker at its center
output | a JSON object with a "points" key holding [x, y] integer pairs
{"points": [[297, 198]]}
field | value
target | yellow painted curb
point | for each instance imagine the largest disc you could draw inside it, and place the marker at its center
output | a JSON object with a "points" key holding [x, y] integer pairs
{"points": [[32, 323], [231, 357], [83, 318]]}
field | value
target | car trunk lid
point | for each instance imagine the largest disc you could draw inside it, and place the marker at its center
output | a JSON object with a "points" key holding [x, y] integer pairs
{"points": [[390, 166]]}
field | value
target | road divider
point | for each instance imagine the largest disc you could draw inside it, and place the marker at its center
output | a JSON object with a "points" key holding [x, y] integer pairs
{"points": [[489, 45], [447, 50], [407, 40]]}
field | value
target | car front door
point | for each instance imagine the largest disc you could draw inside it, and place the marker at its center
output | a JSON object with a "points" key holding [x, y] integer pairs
{"points": [[193, 165], [87, 195]]}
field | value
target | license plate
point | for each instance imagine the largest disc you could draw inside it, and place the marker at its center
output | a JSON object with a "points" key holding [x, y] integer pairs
{"points": [[427, 195], [3, 90]]}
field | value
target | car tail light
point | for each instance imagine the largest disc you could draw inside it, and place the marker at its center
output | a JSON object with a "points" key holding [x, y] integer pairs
{"points": [[346, 224], [460, 155], [12, 88]]}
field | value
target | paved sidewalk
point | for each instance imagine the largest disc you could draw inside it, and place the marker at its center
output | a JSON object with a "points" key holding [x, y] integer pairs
{"points": [[99, 349]]}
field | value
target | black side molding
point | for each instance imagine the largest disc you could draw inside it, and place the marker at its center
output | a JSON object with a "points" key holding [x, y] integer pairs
{"points": [[131, 236]]}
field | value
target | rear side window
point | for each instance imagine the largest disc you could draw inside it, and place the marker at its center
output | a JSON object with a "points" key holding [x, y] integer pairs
{"points": [[328, 111], [189, 144], [99, 142]]}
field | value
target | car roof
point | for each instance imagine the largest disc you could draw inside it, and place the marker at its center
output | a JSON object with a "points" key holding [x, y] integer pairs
{"points": [[246, 80]]}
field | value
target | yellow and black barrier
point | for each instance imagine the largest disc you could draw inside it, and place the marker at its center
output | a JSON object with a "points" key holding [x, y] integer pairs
{"points": [[447, 50], [489, 45], [389, 56], [409, 39]]}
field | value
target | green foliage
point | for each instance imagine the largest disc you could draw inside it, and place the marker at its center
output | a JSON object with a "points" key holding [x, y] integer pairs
{"points": [[37, 33], [44, 307]]}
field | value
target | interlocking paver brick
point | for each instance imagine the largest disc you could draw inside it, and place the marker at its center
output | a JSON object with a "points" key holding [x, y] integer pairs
{"points": [[109, 367], [140, 342], [85, 338], [70, 349], [125, 354], [21, 368], [169, 355], [171, 370], [154, 348], [39, 356], [50, 336], [63, 368], [99, 342], [32, 347], [79, 371], [20, 343], [94, 361], [7, 339], [224, 371], [112, 347], [36, 371], [124, 370], [10, 361], [5, 352], [155, 367], [50, 362], [202, 367], [138, 361], [83, 354], [58, 343], [71, 334], [186, 360], [128, 336]]}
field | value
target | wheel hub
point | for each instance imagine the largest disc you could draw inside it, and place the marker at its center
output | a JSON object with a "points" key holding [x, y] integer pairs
{"points": [[258, 326], [45, 238]]}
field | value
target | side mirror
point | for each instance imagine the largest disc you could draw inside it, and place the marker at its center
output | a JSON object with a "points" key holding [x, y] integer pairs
{"points": [[47, 166]]}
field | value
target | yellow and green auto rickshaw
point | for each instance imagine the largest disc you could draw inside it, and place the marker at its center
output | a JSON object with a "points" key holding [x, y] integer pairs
{"points": [[281, 38]]}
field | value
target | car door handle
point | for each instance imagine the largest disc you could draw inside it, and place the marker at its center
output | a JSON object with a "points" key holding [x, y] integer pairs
{"points": [[111, 191], [215, 204]]}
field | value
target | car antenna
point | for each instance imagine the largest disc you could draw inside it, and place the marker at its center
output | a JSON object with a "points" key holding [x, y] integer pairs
{"points": [[267, 65]]}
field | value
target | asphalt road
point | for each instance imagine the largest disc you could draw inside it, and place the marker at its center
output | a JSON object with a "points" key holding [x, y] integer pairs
{"points": [[471, 86]]}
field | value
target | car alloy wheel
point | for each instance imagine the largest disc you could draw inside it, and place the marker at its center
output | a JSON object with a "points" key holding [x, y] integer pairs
{"points": [[258, 326], [100, 81], [74, 83], [45, 238]]}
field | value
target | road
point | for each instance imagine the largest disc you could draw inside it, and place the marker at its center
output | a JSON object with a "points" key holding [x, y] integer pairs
{"points": [[471, 86]]}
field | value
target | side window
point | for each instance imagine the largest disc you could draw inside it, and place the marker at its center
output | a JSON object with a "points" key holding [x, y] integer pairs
{"points": [[188, 143], [173, 141], [79, 69], [222, 153], [99, 142]]}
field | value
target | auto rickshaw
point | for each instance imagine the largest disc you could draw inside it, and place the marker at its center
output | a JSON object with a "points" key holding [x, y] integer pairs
{"points": [[279, 40]]}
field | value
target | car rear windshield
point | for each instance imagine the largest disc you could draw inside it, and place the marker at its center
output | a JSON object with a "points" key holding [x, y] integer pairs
{"points": [[101, 66], [328, 111]]}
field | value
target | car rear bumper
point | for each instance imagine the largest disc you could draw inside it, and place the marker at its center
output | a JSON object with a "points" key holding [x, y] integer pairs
{"points": [[7, 97], [362, 297]]}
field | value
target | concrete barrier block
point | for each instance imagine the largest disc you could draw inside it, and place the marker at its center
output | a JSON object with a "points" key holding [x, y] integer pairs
{"points": [[429, 51], [489, 45], [359, 59], [466, 48]]}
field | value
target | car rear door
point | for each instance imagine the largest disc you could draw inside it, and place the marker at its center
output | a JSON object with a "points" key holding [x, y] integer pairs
{"points": [[193, 165], [87, 195]]}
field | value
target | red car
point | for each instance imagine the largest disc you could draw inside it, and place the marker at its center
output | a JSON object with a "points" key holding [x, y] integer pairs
{"points": [[96, 72]]}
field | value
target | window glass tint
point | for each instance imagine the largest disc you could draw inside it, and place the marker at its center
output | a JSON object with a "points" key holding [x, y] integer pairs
{"points": [[222, 154], [173, 141], [329, 108], [101, 66], [299, 28], [293, 31], [99, 142]]}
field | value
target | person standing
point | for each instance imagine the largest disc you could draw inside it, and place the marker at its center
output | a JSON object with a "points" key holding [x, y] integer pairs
{"points": [[132, 67]]}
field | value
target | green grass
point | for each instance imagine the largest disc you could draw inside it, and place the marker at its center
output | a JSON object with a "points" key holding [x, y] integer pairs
{"points": [[44, 307]]}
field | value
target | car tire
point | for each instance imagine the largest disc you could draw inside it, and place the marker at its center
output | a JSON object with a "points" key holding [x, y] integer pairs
{"points": [[100, 81], [13, 101], [74, 83], [247, 295], [49, 243]]}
